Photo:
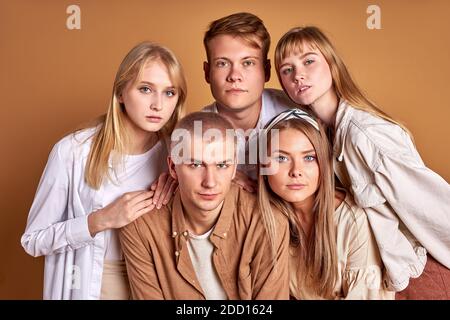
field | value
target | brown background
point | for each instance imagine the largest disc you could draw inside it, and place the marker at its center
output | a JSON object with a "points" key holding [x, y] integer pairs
{"points": [[53, 79]]}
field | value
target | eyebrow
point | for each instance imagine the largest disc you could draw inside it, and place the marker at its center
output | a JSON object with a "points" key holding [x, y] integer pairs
{"points": [[304, 152], [244, 58], [152, 84], [302, 56], [202, 162], [225, 161]]}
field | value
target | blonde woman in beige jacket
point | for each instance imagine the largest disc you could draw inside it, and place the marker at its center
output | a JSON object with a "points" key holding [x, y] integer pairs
{"points": [[332, 252], [407, 204]]}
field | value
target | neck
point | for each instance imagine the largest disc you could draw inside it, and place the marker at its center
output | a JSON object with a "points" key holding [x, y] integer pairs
{"points": [[244, 118], [139, 141], [326, 107], [304, 212], [199, 221]]}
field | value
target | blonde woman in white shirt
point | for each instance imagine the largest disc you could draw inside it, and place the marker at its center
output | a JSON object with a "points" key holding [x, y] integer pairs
{"points": [[332, 251], [407, 204], [99, 179]]}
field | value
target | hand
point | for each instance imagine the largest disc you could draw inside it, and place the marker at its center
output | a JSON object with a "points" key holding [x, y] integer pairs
{"points": [[245, 181], [164, 187], [121, 212]]}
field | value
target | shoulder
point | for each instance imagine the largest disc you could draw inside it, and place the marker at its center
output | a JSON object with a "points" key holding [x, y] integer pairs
{"points": [[245, 201], [350, 218], [368, 131], [152, 224], [209, 108], [246, 210], [278, 100], [80, 139], [72, 146]]}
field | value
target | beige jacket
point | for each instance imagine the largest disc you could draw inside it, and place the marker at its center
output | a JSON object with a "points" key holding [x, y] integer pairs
{"points": [[360, 269], [159, 265], [407, 204]]}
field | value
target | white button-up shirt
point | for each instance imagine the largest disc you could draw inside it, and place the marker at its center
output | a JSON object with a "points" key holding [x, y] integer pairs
{"points": [[57, 224]]}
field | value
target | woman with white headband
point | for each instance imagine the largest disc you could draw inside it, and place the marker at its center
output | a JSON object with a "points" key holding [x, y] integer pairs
{"points": [[333, 254], [407, 204]]}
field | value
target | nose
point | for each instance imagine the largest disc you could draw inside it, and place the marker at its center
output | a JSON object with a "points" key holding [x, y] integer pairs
{"points": [[156, 103], [209, 179], [234, 74], [299, 76], [296, 170]]}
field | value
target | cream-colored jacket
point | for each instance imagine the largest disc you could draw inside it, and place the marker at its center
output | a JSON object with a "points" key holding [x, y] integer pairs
{"points": [[407, 204], [360, 270]]}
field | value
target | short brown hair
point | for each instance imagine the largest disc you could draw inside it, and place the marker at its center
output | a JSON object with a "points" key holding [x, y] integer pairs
{"points": [[244, 25]]}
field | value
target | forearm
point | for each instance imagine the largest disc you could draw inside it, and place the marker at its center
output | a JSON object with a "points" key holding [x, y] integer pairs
{"points": [[56, 238], [98, 222]]}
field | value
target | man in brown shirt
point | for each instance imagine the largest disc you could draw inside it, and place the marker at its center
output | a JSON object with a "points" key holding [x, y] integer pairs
{"points": [[209, 242]]}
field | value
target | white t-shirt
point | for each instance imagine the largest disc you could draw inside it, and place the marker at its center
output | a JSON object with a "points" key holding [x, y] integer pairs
{"points": [[137, 173], [201, 252], [273, 103], [57, 225]]}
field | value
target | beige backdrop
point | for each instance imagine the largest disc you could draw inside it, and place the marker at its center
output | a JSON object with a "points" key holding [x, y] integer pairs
{"points": [[53, 79]]}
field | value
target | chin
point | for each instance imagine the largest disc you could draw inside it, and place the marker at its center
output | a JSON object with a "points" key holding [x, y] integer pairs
{"points": [[152, 127], [293, 197], [207, 206], [303, 102]]}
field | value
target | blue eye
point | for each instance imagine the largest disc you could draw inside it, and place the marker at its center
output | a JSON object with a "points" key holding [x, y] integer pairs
{"points": [[281, 158], [195, 165], [145, 90], [222, 165], [170, 93], [310, 158]]}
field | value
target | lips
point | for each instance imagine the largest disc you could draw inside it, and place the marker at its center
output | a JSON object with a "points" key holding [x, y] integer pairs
{"points": [[154, 119], [208, 196], [235, 90], [301, 89], [296, 186]]}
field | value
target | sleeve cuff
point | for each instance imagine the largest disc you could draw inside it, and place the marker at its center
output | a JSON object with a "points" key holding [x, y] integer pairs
{"points": [[78, 231]]}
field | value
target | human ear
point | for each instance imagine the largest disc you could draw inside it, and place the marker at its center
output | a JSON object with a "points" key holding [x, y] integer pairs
{"points": [[206, 71], [171, 166], [267, 67]]}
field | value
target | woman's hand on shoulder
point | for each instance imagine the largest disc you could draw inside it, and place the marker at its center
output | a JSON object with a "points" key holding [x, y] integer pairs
{"points": [[164, 188], [121, 212]]}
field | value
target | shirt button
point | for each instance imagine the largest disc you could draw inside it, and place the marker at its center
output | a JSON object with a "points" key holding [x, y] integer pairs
{"points": [[177, 253], [225, 234], [174, 234], [185, 233]]}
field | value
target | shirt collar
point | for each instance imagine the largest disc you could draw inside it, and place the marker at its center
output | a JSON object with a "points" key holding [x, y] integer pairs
{"points": [[223, 223]]}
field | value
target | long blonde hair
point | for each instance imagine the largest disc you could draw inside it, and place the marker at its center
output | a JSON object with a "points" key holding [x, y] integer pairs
{"points": [[345, 87], [317, 255], [111, 134]]}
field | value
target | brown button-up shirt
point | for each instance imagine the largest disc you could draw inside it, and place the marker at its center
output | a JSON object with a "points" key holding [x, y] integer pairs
{"points": [[159, 264]]}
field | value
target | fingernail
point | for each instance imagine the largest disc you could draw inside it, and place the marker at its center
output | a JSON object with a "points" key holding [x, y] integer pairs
{"points": [[159, 206]]}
